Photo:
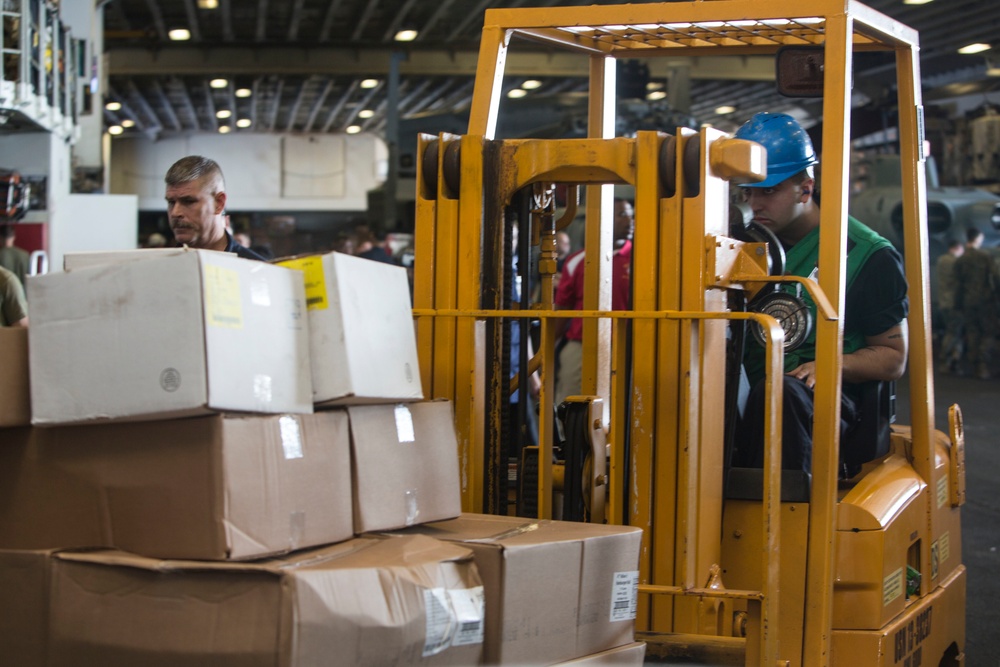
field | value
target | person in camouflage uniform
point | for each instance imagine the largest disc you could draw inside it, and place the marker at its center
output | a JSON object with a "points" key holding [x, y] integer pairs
{"points": [[976, 298], [945, 288]]}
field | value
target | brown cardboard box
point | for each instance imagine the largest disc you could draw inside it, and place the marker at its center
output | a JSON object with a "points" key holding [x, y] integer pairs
{"points": [[405, 464], [401, 601], [555, 590], [24, 607], [630, 655], [15, 403], [216, 487], [178, 334], [362, 343]]}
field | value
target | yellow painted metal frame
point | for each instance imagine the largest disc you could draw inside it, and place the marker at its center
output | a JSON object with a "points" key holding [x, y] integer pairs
{"points": [[675, 493]]}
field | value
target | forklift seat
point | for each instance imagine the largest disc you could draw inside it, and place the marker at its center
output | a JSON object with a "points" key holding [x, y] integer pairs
{"points": [[867, 441]]}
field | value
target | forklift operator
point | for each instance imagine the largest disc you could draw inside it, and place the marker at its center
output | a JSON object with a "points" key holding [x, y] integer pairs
{"points": [[875, 305]]}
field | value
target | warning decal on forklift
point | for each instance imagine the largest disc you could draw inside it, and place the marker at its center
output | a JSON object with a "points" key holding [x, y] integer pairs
{"points": [[625, 596], [892, 587], [942, 492], [944, 546]]}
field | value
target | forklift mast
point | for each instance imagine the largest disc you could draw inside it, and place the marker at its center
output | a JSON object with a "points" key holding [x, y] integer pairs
{"points": [[838, 574]]}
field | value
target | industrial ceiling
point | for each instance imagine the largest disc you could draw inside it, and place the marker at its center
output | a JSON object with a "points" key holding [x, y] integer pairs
{"points": [[305, 65]]}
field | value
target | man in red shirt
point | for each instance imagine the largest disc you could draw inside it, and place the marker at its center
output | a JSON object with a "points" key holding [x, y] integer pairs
{"points": [[569, 296]]}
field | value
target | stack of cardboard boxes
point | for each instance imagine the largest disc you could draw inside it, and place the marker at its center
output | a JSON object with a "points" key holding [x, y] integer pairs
{"points": [[172, 498]]}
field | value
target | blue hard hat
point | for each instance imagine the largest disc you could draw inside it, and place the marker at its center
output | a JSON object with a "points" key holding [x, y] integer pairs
{"points": [[789, 149]]}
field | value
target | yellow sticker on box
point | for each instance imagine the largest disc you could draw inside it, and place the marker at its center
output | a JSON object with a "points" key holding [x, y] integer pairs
{"points": [[892, 587], [223, 299], [315, 280]]}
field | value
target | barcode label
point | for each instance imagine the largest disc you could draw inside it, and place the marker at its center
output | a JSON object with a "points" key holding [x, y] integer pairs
{"points": [[454, 618], [469, 604], [624, 596]]}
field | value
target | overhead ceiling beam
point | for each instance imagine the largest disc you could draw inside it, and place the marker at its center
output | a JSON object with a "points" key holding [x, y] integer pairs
{"points": [[341, 103], [441, 10], [318, 105], [165, 104], [295, 20], [294, 111], [226, 12], [398, 20], [206, 90], [192, 17], [234, 61], [366, 16], [331, 13], [161, 28], [275, 105], [261, 33]]}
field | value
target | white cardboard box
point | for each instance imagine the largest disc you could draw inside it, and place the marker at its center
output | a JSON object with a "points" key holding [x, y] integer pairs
{"points": [[364, 348], [175, 335]]}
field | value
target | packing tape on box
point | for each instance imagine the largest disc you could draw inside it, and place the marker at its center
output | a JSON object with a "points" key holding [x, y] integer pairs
{"points": [[262, 388], [296, 529], [404, 424], [412, 506], [291, 437], [513, 532]]}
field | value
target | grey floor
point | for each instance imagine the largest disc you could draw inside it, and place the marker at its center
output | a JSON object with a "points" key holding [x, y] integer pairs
{"points": [[980, 403]]}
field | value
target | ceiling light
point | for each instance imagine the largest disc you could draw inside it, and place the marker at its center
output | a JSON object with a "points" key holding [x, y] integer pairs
{"points": [[223, 113], [243, 92], [916, 2], [723, 110], [244, 122], [115, 129], [366, 113], [179, 34], [654, 85], [113, 106], [218, 83], [979, 47], [128, 122], [531, 84], [656, 95], [353, 129], [517, 92], [208, 4], [406, 35], [369, 83], [224, 129]]}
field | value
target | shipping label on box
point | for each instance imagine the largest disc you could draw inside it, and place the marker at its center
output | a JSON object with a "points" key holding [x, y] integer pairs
{"points": [[179, 334], [402, 601], [364, 348]]}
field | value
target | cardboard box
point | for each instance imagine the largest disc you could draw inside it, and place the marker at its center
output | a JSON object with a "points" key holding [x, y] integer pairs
{"points": [[363, 345], [215, 487], [73, 261], [555, 590], [405, 465], [630, 655], [24, 607], [15, 402], [180, 334], [402, 601]]}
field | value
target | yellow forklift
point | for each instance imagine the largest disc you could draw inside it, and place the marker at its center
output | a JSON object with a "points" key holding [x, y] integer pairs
{"points": [[737, 566]]}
